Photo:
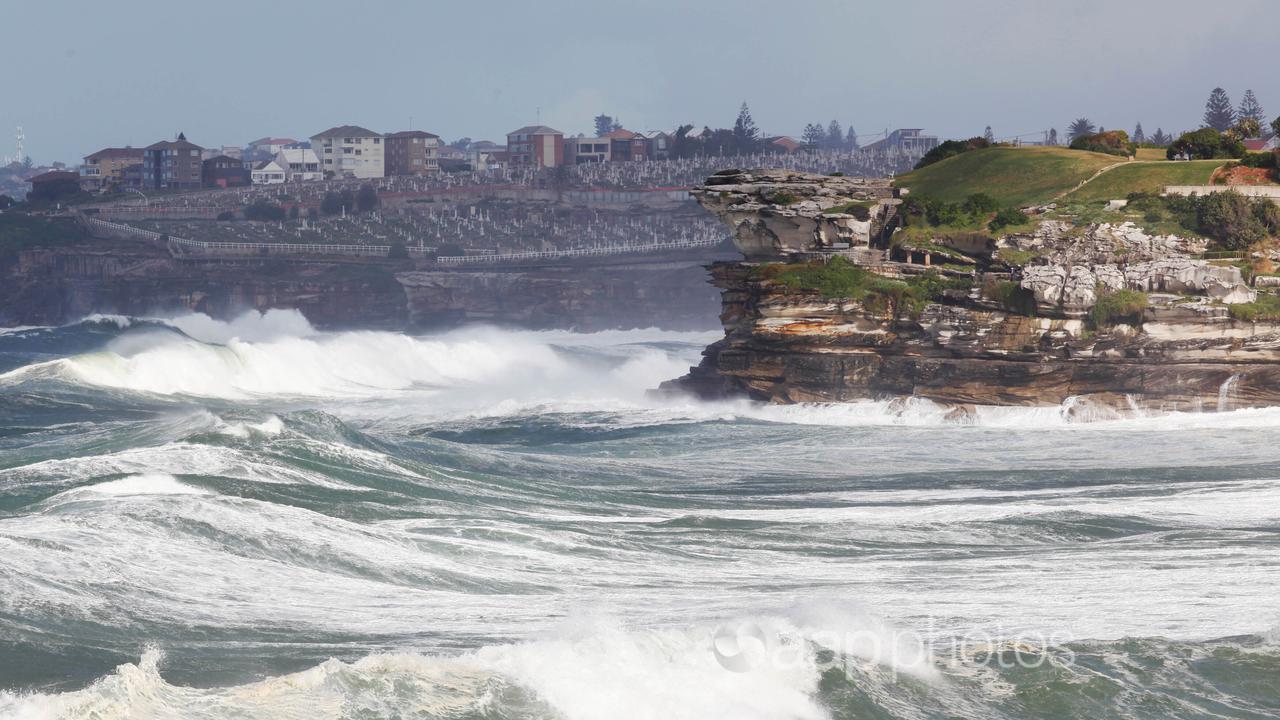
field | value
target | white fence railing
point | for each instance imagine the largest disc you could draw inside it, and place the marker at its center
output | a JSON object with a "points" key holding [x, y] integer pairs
{"points": [[185, 246]]}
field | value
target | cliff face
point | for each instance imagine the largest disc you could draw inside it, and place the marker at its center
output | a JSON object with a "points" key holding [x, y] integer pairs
{"points": [[672, 296], [1003, 333], [52, 286]]}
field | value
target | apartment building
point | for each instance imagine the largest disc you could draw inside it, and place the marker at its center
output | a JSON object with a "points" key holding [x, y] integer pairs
{"points": [[104, 169], [350, 151], [172, 165], [411, 152], [224, 171], [581, 150], [535, 145]]}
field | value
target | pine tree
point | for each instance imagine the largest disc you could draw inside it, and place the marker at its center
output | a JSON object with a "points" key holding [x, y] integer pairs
{"points": [[745, 133], [604, 125], [1218, 113], [1250, 108], [1053, 136], [835, 135], [1080, 128], [990, 136], [1139, 136], [1160, 139], [813, 135], [851, 139]]}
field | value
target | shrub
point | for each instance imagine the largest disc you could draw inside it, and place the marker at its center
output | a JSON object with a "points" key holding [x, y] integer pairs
{"points": [[1111, 142], [264, 211], [783, 197], [980, 203], [1259, 160], [1231, 219], [1265, 308], [331, 204], [1120, 305], [1011, 296], [398, 251], [367, 198], [450, 250], [1205, 144], [951, 148], [226, 216], [1007, 217]]}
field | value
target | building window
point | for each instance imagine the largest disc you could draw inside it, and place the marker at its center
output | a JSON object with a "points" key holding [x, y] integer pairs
{"points": [[377, 141]]}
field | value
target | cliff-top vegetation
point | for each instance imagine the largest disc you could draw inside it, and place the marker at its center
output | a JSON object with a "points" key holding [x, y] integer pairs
{"points": [[1019, 176]]}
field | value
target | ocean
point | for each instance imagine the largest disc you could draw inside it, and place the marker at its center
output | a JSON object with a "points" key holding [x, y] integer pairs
{"points": [[256, 519]]}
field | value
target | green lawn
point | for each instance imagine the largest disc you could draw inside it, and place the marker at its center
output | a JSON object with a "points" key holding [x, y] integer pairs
{"points": [[1013, 176], [1149, 177]]}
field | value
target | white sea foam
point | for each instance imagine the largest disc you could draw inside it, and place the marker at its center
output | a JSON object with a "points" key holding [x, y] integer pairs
{"points": [[150, 484]]}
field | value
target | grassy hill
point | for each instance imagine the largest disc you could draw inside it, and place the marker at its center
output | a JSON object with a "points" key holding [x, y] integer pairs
{"points": [[1013, 176], [1149, 177]]}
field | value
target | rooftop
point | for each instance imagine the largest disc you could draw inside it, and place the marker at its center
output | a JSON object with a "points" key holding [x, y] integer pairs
{"points": [[347, 131]]}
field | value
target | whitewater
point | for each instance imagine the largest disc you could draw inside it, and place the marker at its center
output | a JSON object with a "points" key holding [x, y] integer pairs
{"points": [[258, 519]]}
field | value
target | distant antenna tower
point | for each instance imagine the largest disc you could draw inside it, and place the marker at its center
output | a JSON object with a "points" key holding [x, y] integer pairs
{"points": [[20, 149]]}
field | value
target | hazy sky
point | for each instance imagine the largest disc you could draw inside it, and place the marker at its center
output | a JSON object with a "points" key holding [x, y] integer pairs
{"points": [[80, 75]]}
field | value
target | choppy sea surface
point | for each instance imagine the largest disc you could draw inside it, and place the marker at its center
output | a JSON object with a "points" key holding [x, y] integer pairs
{"points": [[254, 519]]}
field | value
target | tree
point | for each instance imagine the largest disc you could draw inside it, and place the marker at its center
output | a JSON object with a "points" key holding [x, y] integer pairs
{"points": [[1206, 144], [1160, 139], [331, 203], [367, 198], [1139, 136], [684, 146], [7, 202], [1275, 125], [1218, 113], [1079, 128], [1246, 128], [835, 135], [813, 135], [1250, 108], [605, 124], [851, 139], [988, 135], [1053, 136], [461, 143], [264, 211], [398, 251], [746, 135]]}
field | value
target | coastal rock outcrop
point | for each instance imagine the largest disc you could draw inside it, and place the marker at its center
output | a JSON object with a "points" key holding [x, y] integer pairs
{"points": [[1016, 327]]}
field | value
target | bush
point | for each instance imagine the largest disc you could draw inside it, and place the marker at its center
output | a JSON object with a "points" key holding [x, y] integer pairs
{"points": [[226, 216], [1205, 144], [1008, 217], [1111, 142], [1232, 219], [450, 250], [1011, 296], [951, 148], [839, 279], [331, 204], [398, 251], [264, 211], [367, 198], [1265, 308], [1259, 160], [1120, 305]]}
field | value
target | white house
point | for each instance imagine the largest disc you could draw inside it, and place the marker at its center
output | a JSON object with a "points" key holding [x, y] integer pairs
{"points": [[301, 162], [269, 172], [349, 151]]}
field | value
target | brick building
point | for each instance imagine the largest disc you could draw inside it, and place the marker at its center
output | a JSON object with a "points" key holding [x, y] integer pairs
{"points": [[535, 145], [172, 164], [411, 152]]}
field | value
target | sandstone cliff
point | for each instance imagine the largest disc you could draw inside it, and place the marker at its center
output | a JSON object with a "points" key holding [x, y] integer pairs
{"points": [[1032, 319], [55, 285]]}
